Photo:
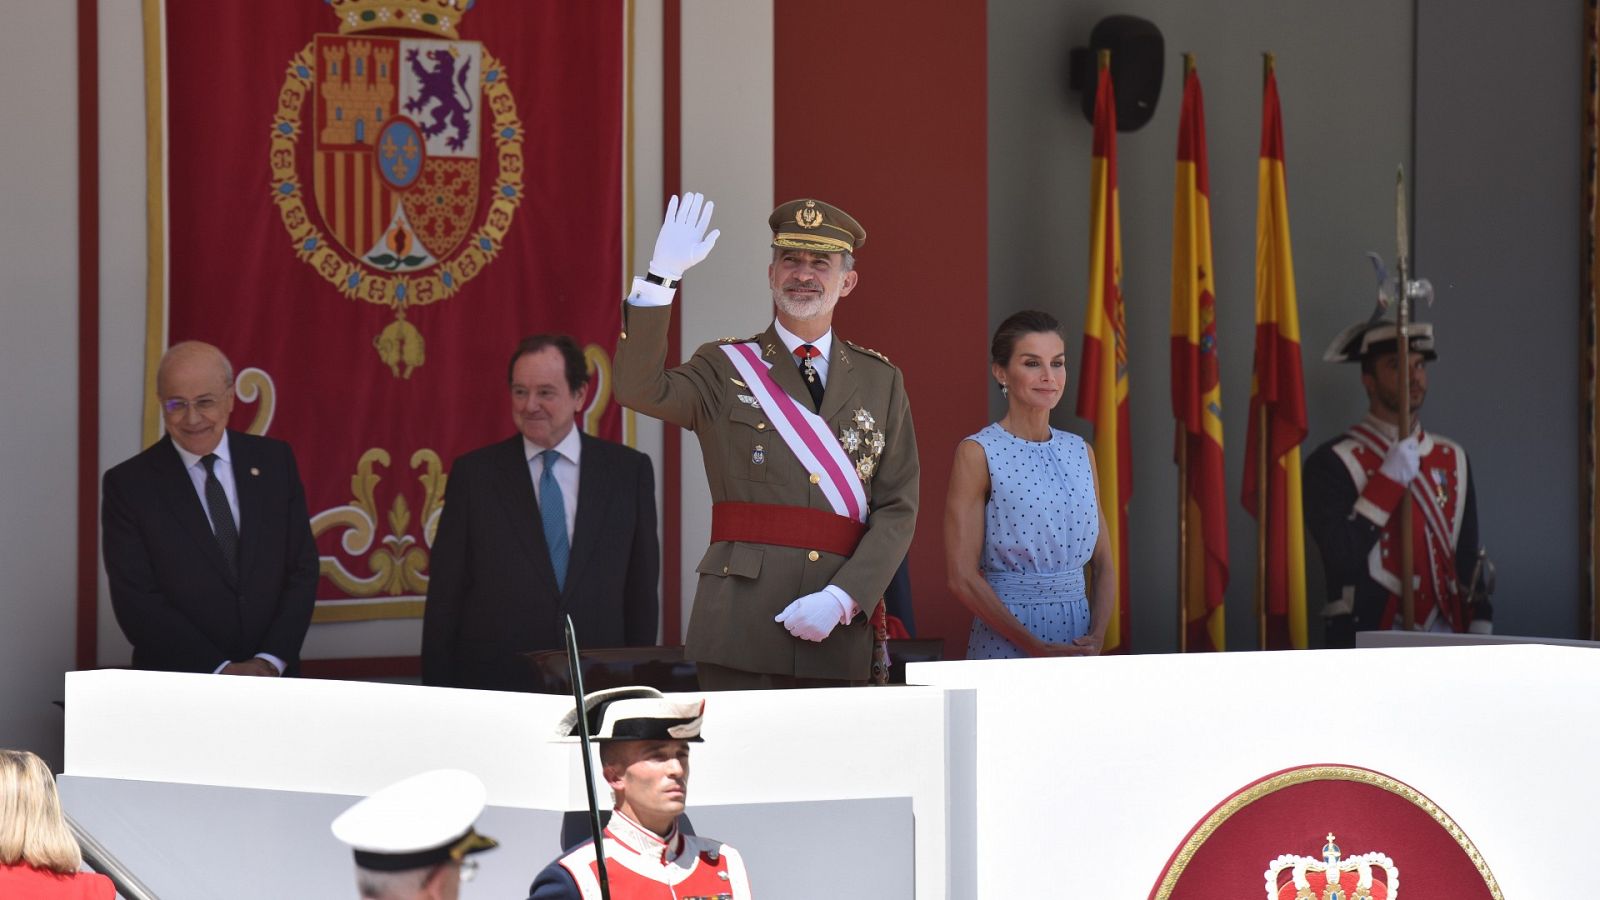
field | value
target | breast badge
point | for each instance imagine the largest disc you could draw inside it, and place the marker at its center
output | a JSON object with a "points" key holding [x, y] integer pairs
{"points": [[758, 455], [862, 442], [414, 173]]}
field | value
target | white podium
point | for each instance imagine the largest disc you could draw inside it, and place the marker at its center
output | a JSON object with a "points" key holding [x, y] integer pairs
{"points": [[762, 751], [1022, 778], [1089, 773]]}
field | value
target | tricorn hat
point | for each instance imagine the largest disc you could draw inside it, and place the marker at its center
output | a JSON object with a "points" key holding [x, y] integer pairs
{"points": [[636, 714], [816, 226], [1376, 338], [416, 823]]}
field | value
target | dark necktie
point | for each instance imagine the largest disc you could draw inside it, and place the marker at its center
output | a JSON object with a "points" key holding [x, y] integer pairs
{"points": [[553, 515], [807, 353], [221, 514]]}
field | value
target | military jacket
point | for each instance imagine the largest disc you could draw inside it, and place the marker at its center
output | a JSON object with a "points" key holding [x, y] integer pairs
{"points": [[742, 586], [1351, 509]]}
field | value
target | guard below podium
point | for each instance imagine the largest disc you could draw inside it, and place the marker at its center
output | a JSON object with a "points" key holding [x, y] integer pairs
{"points": [[644, 743]]}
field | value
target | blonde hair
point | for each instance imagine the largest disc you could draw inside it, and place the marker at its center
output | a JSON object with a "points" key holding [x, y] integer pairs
{"points": [[32, 829]]}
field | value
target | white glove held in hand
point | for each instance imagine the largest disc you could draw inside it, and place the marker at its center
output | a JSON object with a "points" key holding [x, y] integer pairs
{"points": [[812, 617], [1403, 462], [683, 240]]}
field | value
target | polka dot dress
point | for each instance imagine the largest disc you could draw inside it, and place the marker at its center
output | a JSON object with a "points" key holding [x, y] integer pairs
{"points": [[1039, 530]]}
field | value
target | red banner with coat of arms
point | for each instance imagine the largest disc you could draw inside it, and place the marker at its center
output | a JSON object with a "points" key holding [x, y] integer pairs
{"points": [[365, 203]]}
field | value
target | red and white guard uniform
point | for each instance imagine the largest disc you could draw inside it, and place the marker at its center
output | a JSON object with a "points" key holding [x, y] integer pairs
{"points": [[1442, 503], [642, 866]]}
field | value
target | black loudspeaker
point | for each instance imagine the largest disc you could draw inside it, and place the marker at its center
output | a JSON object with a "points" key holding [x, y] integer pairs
{"points": [[1137, 56]]}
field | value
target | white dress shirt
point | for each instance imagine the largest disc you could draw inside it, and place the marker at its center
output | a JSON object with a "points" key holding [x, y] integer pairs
{"points": [[571, 449], [823, 344]]}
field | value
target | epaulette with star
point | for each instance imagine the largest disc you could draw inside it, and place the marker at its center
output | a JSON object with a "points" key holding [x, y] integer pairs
{"points": [[738, 340]]}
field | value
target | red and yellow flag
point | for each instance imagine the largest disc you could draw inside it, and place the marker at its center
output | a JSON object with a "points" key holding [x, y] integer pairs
{"points": [[1196, 388], [1103, 376], [1277, 402]]}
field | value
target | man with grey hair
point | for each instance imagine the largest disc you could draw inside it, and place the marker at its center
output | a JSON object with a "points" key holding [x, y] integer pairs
{"points": [[207, 543]]}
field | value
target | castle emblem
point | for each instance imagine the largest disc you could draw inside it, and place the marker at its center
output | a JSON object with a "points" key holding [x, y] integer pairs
{"points": [[401, 199]]}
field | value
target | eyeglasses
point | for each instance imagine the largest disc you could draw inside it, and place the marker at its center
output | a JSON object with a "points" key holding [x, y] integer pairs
{"points": [[177, 406], [469, 869]]}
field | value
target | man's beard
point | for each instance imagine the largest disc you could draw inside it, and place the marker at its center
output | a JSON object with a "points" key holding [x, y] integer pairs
{"points": [[812, 306]]}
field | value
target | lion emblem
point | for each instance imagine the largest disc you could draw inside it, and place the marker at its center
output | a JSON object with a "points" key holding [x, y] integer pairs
{"points": [[439, 85]]}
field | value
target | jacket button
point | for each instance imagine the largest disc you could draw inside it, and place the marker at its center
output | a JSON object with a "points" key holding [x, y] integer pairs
{"points": [[813, 556], [724, 570], [761, 426], [815, 478]]}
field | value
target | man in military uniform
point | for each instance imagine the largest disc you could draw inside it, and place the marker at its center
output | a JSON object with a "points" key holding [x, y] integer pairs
{"points": [[1353, 486], [809, 453], [644, 743]]}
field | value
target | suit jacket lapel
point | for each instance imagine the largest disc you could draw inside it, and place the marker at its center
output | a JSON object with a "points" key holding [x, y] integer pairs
{"points": [[178, 492], [596, 487], [841, 386], [784, 371], [522, 506]]}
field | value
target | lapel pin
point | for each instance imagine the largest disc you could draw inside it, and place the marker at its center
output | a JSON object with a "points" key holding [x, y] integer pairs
{"points": [[254, 471]]}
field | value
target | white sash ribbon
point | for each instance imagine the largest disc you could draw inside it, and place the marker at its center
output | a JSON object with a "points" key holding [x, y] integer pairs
{"points": [[805, 433]]}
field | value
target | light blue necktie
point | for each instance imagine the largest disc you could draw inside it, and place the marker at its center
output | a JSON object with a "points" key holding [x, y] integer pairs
{"points": [[553, 513]]}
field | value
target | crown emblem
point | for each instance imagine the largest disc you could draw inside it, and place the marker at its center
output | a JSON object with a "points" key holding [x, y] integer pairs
{"points": [[1333, 878], [440, 17], [808, 216]]}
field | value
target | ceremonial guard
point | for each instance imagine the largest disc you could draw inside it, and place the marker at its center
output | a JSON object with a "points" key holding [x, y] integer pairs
{"points": [[1353, 489], [809, 454], [644, 743]]}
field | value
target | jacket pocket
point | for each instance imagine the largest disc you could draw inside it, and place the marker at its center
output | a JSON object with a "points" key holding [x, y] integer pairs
{"points": [[755, 451], [737, 559]]}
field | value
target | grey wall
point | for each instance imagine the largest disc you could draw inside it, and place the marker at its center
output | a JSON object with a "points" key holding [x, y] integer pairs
{"points": [[1345, 75], [1499, 98], [38, 370]]}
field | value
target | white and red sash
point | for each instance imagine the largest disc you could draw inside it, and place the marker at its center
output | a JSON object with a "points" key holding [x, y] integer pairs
{"points": [[805, 433], [1439, 498]]}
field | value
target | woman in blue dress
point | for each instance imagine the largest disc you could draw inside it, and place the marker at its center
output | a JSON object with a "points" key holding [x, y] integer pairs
{"points": [[1023, 520]]}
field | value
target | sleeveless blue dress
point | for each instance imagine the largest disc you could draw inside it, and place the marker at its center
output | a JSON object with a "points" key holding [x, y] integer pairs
{"points": [[1040, 525]]}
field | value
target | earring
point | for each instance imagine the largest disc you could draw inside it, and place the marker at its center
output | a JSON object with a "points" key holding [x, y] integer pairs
{"points": [[1003, 391]]}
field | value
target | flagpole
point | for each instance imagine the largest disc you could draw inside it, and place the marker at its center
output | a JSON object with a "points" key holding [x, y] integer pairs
{"points": [[1261, 530], [1183, 539], [1408, 614], [1261, 474], [1183, 485]]}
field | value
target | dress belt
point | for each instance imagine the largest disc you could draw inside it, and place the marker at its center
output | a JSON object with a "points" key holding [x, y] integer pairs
{"points": [[1038, 587]]}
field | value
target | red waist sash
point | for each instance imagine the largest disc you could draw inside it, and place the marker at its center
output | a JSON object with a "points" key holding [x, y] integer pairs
{"points": [[785, 526]]}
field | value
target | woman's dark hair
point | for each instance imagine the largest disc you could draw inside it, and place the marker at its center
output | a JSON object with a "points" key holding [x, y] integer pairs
{"points": [[1029, 321]]}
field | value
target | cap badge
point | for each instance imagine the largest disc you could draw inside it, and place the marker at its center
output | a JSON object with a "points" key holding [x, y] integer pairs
{"points": [[808, 216]]}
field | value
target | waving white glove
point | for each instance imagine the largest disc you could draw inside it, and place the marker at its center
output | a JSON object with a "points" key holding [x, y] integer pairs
{"points": [[1402, 462], [683, 241], [812, 617]]}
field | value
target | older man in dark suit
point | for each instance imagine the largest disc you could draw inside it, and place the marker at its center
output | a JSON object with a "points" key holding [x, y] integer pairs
{"points": [[207, 543], [550, 521]]}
